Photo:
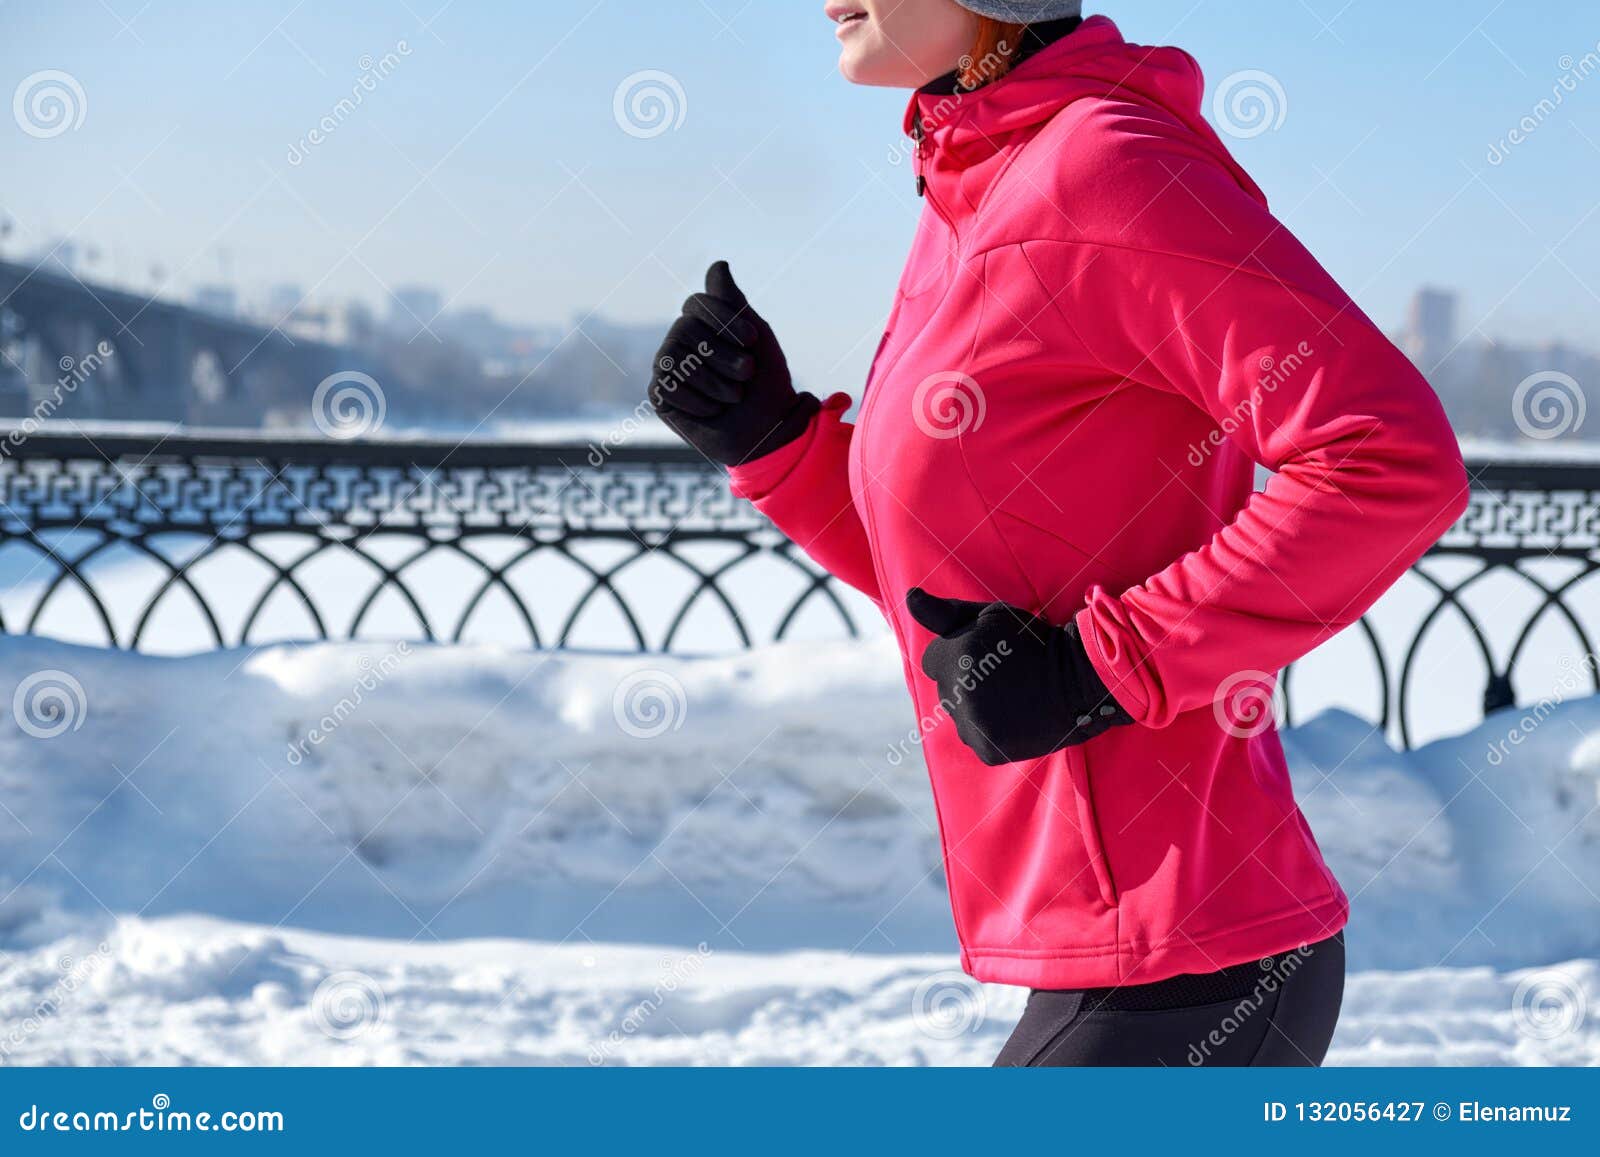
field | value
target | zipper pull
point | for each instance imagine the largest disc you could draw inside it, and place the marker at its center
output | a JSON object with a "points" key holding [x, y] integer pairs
{"points": [[917, 135]]}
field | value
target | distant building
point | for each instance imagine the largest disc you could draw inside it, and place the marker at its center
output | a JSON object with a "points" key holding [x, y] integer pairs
{"points": [[476, 328], [63, 258], [1431, 328], [222, 300], [347, 324], [1477, 378], [358, 325], [282, 302], [500, 347], [414, 307], [596, 366]]}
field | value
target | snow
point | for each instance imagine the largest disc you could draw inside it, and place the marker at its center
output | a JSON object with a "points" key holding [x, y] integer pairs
{"points": [[393, 853], [1580, 452], [191, 990]]}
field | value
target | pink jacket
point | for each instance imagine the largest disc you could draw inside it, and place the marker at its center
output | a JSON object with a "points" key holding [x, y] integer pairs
{"points": [[1099, 331]]}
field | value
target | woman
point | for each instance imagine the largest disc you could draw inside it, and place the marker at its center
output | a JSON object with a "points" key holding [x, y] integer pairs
{"points": [[1099, 333]]}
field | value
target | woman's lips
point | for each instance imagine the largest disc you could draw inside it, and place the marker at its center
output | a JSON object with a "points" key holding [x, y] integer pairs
{"points": [[846, 20]]}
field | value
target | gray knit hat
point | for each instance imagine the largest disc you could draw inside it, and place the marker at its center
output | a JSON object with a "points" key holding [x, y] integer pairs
{"points": [[1024, 11]]}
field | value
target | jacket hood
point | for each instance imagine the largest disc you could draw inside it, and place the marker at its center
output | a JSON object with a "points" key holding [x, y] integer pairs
{"points": [[1092, 61]]}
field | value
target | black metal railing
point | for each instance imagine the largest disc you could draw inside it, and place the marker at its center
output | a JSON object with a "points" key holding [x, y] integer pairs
{"points": [[83, 509], [182, 543]]}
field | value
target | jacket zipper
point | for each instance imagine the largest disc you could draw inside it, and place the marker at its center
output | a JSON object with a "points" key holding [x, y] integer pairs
{"points": [[919, 154], [869, 400], [918, 136], [870, 525]]}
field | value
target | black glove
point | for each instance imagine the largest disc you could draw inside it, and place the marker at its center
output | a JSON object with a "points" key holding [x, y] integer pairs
{"points": [[1017, 685], [720, 380]]}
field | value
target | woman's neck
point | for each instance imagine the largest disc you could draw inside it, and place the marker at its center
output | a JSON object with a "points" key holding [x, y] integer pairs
{"points": [[1033, 38]]}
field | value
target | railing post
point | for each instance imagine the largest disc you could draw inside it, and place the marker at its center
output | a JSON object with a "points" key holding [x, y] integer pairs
{"points": [[1498, 695]]}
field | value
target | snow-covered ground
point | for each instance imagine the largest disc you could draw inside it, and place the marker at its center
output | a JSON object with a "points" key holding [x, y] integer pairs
{"points": [[183, 990], [397, 853]]}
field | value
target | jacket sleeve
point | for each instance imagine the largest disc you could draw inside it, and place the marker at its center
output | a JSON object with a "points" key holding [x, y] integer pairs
{"points": [[1213, 299], [804, 488]]}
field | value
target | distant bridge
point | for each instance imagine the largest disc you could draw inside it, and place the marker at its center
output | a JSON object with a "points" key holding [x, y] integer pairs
{"points": [[88, 351]]}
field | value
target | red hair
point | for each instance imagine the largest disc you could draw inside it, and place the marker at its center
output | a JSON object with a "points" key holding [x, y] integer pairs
{"points": [[992, 51]]}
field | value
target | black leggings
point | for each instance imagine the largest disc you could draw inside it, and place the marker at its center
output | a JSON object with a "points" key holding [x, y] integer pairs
{"points": [[1276, 1011]]}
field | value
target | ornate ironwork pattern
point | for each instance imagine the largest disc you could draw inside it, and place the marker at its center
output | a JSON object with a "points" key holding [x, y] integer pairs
{"points": [[180, 502], [1531, 535], [68, 504]]}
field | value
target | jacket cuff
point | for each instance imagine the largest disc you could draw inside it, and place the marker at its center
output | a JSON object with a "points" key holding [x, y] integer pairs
{"points": [[1100, 708], [1120, 667], [759, 477]]}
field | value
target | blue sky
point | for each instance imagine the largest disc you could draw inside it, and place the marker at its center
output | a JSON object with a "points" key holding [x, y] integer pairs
{"points": [[489, 163]]}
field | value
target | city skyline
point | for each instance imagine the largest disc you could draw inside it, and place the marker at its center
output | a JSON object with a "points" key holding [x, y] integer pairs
{"points": [[421, 304], [1494, 387], [494, 155]]}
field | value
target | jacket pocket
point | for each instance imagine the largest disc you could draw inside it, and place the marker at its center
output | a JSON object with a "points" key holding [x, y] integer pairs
{"points": [[1089, 824]]}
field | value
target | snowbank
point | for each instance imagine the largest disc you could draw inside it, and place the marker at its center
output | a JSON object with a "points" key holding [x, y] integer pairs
{"points": [[436, 792], [194, 851], [769, 800]]}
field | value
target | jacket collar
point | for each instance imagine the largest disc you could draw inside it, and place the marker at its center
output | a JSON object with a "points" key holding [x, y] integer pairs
{"points": [[955, 131], [1016, 99]]}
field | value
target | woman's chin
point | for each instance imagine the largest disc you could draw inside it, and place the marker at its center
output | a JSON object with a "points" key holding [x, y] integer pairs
{"points": [[870, 71], [853, 68]]}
